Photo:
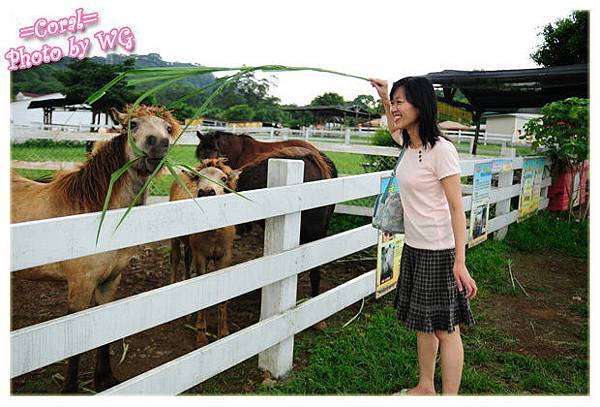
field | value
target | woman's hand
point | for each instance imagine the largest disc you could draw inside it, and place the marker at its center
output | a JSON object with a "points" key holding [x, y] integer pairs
{"points": [[381, 86], [463, 279]]}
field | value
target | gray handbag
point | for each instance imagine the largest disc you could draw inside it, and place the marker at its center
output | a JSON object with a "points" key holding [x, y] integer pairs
{"points": [[388, 215]]}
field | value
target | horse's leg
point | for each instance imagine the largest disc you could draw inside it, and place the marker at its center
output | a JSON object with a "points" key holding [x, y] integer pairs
{"points": [[103, 374], [80, 297], [315, 281], [201, 338], [175, 258], [187, 261], [222, 324]]}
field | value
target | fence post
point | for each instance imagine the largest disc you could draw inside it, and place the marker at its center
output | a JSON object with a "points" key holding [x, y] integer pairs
{"points": [[281, 233], [272, 133], [505, 179], [347, 136], [471, 145]]}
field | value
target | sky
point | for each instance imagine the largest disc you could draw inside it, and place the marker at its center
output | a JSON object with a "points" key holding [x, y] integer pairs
{"points": [[383, 39]]}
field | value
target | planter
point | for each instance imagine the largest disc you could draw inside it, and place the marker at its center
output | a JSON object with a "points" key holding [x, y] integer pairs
{"points": [[557, 192]]}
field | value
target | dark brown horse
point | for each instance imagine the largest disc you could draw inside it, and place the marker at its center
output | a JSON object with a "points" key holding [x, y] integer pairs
{"points": [[240, 149], [251, 157]]}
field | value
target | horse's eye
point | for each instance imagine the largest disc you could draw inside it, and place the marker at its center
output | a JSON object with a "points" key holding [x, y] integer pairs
{"points": [[169, 129], [223, 179], [133, 124]]}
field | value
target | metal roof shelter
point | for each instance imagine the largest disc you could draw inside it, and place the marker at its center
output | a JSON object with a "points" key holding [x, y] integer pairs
{"points": [[48, 106], [512, 90], [333, 111]]}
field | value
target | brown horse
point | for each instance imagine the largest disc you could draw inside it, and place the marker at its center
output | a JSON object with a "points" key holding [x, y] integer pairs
{"points": [[251, 157], [201, 248], [240, 149], [93, 280]]}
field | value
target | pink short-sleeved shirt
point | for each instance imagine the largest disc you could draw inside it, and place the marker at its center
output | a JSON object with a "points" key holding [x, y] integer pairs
{"points": [[427, 221]]}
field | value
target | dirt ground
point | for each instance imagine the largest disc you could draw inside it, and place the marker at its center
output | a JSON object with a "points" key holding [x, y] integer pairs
{"points": [[545, 324], [33, 302]]}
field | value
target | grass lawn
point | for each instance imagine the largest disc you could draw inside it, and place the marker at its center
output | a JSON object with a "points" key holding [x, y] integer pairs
{"points": [[375, 355]]}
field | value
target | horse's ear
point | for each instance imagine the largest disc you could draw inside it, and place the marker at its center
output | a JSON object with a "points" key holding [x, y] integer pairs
{"points": [[199, 135], [118, 117], [232, 178]]}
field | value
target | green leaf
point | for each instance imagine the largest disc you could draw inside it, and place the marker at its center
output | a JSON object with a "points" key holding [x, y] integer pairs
{"points": [[187, 168], [113, 178], [182, 184], [141, 192]]}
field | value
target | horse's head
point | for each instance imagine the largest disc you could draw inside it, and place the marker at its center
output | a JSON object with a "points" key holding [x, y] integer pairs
{"points": [[215, 169], [152, 128], [218, 144]]}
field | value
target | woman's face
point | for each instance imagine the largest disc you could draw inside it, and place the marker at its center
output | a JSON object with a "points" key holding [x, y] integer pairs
{"points": [[405, 114]]}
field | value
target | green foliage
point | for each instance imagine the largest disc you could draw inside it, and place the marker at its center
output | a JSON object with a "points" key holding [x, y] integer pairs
{"points": [[39, 79], [562, 131], [182, 111], [550, 231], [83, 77], [368, 104], [566, 41], [328, 99], [340, 223], [382, 137], [238, 112]]}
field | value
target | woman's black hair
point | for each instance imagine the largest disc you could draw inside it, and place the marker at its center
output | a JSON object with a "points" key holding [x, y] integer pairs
{"points": [[419, 93]]}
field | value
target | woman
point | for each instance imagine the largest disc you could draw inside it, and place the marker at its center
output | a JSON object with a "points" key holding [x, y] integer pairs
{"points": [[434, 288]]}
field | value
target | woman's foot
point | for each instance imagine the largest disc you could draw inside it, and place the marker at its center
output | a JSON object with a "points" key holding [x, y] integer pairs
{"points": [[421, 391]]}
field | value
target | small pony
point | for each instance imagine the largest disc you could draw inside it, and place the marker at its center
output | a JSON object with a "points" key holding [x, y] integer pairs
{"points": [[201, 248]]}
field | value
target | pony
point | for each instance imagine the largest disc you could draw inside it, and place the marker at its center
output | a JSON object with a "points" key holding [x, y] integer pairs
{"points": [[201, 248], [240, 149], [313, 222], [93, 280]]}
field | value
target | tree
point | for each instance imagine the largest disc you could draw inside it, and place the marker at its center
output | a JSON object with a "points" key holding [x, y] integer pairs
{"points": [[238, 112], [83, 77], [328, 99], [366, 103], [566, 42], [246, 91]]}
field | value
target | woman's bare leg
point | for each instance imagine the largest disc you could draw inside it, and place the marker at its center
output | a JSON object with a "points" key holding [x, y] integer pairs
{"points": [[451, 359], [427, 347]]}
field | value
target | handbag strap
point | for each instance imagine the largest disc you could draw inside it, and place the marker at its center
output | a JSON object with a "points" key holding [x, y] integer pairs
{"points": [[384, 194], [398, 160]]}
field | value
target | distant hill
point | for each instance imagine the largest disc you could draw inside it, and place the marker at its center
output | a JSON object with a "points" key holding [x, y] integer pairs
{"points": [[40, 79]]}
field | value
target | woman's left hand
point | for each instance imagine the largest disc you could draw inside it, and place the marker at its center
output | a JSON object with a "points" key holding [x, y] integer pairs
{"points": [[464, 280]]}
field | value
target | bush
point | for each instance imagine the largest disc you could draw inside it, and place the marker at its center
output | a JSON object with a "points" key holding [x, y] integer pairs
{"points": [[373, 163]]}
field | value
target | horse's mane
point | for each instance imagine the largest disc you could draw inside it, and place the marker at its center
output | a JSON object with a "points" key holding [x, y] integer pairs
{"points": [[218, 163], [295, 153], [87, 186]]}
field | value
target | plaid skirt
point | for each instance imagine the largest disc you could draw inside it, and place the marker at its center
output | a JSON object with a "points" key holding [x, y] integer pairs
{"points": [[427, 297]]}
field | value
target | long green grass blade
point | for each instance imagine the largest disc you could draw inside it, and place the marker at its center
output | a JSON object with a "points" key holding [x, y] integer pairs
{"points": [[192, 170], [181, 183], [113, 179], [141, 192], [102, 91], [170, 76]]}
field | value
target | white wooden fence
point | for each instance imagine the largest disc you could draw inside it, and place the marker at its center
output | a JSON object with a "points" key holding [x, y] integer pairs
{"points": [[50, 240]]}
